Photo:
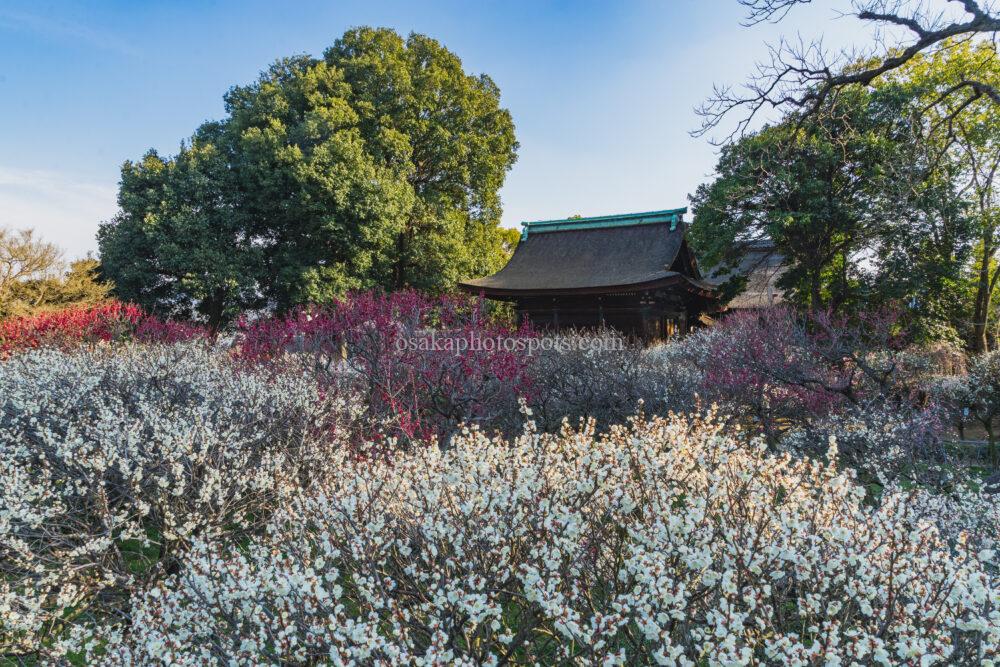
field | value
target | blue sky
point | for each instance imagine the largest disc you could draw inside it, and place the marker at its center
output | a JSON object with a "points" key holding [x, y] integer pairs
{"points": [[602, 93]]}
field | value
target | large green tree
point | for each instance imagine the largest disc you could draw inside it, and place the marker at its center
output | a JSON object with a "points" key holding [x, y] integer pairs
{"points": [[805, 184], [963, 131], [179, 245], [378, 165], [846, 195]]}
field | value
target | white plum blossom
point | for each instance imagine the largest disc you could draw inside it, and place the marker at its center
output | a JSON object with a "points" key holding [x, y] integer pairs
{"points": [[167, 505], [667, 542], [113, 462]]}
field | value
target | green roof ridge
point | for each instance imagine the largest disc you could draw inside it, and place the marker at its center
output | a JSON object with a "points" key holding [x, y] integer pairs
{"points": [[604, 221]]}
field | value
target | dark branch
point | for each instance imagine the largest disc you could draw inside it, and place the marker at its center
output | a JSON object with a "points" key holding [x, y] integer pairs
{"points": [[772, 11], [803, 76]]}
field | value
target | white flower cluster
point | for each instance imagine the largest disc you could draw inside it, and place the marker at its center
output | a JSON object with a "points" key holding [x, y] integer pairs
{"points": [[879, 441], [113, 462], [960, 511], [608, 384], [665, 542]]}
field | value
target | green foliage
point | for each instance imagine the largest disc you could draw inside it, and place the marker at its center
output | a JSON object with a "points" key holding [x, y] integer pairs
{"points": [[963, 132], [808, 184], [177, 245], [855, 198], [77, 286], [378, 165]]}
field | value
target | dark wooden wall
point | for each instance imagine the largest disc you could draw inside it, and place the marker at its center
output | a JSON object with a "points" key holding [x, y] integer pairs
{"points": [[641, 315]]}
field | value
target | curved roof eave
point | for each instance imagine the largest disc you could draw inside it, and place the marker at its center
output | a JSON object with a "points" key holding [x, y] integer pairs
{"points": [[669, 279]]}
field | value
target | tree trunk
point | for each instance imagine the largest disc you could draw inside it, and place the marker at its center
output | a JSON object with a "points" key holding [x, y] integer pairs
{"points": [[400, 269], [214, 308], [991, 447], [815, 296], [981, 312]]}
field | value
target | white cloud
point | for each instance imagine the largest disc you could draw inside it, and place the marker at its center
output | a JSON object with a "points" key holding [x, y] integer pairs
{"points": [[62, 208], [60, 28]]}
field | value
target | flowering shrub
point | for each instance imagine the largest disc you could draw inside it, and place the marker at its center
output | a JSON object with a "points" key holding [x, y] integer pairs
{"points": [[667, 542], [799, 378], [879, 441], [767, 363], [151, 329], [113, 463], [984, 396], [103, 322], [608, 381], [965, 512], [380, 347], [201, 503], [90, 324], [972, 397]]}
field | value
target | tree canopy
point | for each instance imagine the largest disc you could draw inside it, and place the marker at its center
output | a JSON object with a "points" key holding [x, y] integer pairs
{"points": [[882, 194], [377, 165], [24, 257], [806, 184], [963, 135], [846, 196]]}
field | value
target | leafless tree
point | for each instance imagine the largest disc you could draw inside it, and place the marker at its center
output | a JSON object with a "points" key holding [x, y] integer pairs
{"points": [[23, 256], [800, 75]]}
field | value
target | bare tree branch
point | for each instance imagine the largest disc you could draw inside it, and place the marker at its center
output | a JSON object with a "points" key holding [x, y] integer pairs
{"points": [[771, 11], [801, 76]]}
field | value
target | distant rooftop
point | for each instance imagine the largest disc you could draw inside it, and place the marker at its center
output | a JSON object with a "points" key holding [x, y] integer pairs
{"points": [[672, 216], [601, 255]]}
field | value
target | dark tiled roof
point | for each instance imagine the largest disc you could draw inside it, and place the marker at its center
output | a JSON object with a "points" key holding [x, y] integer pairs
{"points": [[592, 255], [763, 266]]}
